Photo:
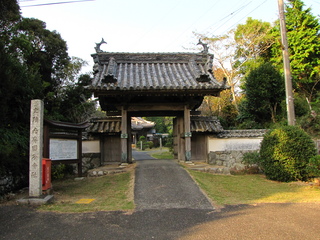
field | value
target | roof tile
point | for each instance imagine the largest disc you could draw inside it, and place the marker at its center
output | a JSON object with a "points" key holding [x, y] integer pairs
{"points": [[153, 71]]}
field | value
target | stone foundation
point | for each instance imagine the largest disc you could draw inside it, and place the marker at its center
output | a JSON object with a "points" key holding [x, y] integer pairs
{"points": [[229, 159], [10, 183], [90, 161]]}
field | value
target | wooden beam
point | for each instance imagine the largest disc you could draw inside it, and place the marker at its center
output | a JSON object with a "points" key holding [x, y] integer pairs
{"points": [[156, 107]]}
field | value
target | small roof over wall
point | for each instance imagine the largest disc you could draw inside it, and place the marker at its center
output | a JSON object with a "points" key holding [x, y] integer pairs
{"points": [[66, 125], [247, 133], [205, 124], [113, 125]]}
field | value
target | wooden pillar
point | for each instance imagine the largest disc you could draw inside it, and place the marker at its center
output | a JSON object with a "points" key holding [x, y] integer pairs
{"points": [[124, 135], [46, 141], [180, 139], [187, 133], [129, 141], [79, 140]]}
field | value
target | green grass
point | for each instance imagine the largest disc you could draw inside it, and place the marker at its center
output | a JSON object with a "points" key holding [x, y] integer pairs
{"points": [[111, 192], [163, 155], [250, 189]]}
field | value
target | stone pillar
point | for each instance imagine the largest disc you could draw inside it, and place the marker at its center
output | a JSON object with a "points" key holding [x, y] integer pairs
{"points": [[36, 148], [124, 136], [187, 133]]}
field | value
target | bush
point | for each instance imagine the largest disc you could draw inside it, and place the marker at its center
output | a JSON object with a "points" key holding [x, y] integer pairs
{"points": [[61, 171], [285, 154], [313, 167], [251, 158], [150, 144]]}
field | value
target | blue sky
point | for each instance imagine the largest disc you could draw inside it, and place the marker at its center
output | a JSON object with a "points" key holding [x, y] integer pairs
{"points": [[147, 25]]}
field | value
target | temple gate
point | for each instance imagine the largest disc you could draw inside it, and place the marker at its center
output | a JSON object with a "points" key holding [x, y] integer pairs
{"points": [[154, 84]]}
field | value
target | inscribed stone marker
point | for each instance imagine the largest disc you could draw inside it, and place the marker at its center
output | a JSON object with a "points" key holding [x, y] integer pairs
{"points": [[36, 143]]}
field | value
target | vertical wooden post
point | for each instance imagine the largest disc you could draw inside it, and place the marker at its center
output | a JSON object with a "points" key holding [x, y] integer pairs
{"points": [[46, 141], [124, 135], [79, 153], [180, 139], [129, 141], [187, 133], [286, 63]]}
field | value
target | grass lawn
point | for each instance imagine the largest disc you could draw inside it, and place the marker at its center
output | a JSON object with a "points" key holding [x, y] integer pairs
{"points": [[164, 154], [110, 192], [250, 189]]}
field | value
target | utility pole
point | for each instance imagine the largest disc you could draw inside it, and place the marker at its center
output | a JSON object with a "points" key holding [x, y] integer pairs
{"points": [[286, 63]]}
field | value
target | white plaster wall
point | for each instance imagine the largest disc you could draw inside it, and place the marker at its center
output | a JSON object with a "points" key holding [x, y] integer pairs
{"points": [[91, 146], [233, 144]]}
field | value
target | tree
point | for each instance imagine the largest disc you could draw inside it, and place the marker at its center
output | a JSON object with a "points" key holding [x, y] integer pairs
{"points": [[303, 31], [34, 63], [264, 92], [75, 105], [239, 46], [45, 54], [252, 39], [163, 124]]}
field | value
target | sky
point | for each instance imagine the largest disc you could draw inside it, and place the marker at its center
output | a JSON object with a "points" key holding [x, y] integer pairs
{"points": [[146, 25]]}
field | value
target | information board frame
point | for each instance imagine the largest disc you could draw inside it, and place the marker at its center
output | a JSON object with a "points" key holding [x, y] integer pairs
{"points": [[68, 132]]}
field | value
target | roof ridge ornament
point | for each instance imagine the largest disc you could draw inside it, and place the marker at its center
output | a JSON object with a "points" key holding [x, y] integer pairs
{"points": [[205, 47], [97, 47]]}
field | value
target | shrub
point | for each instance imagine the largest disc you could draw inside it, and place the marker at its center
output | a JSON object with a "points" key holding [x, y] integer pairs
{"points": [[251, 158], [150, 144], [61, 171], [313, 167], [285, 154]]}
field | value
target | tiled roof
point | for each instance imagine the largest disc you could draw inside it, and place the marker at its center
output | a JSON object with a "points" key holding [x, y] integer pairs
{"points": [[138, 123], [153, 71], [205, 124], [113, 125], [242, 133], [109, 125]]}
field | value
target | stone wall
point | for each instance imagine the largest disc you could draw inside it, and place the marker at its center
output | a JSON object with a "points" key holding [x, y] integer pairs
{"points": [[228, 159], [90, 161], [228, 147], [10, 183]]}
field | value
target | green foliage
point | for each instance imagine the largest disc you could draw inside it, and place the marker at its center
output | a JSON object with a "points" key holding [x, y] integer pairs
{"points": [[252, 39], [303, 31], [142, 143], [9, 11], [14, 151], [169, 143], [310, 124], [285, 154], [142, 138], [34, 64], [163, 124], [150, 144], [61, 171], [313, 166], [264, 89], [251, 158], [74, 103]]}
